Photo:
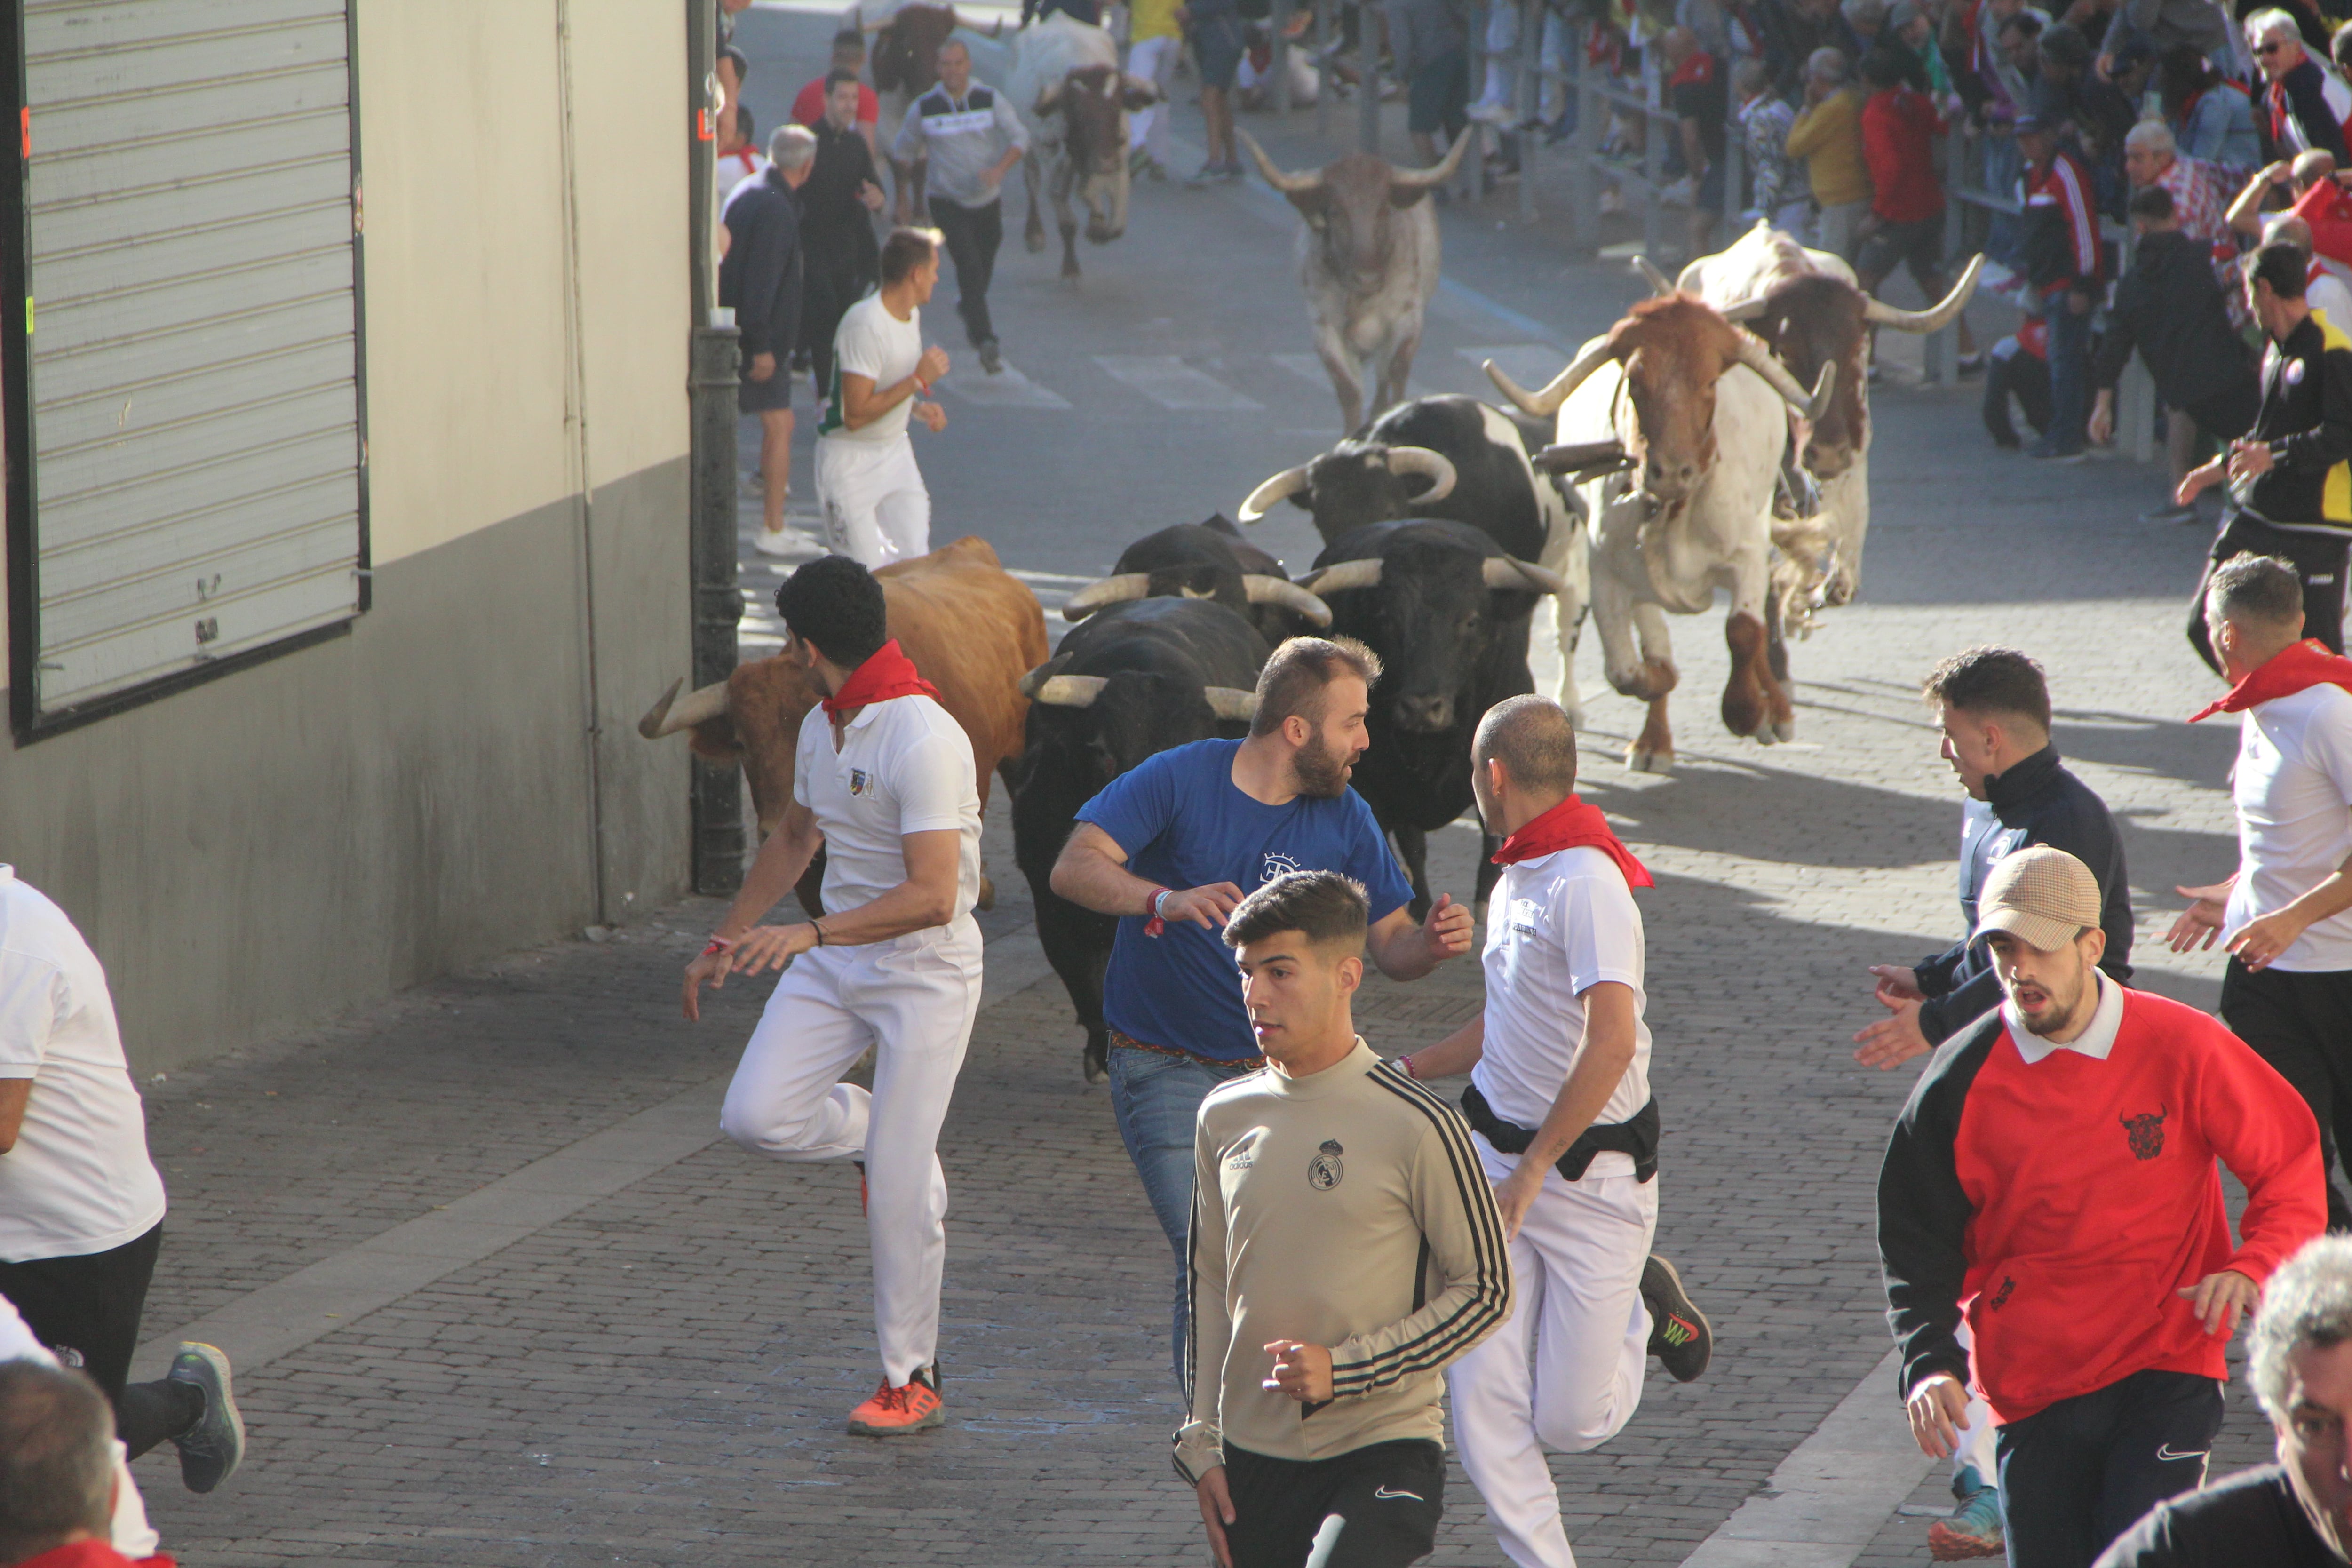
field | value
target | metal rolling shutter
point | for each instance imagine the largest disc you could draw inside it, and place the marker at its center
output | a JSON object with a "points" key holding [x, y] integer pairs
{"points": [[195, 405]]}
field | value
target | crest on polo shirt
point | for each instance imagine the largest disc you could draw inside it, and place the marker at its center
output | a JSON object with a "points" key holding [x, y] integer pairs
{"points": [[2295, 373], [1325, 1172], [857, 781], [2145, 1133]]}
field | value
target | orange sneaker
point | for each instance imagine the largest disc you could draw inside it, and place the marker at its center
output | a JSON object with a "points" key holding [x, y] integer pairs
{"points": [[893, 1412]]}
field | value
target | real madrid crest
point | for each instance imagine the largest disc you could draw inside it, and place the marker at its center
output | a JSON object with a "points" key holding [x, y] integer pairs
{"points": [[857, 781], [1324, 1172]]}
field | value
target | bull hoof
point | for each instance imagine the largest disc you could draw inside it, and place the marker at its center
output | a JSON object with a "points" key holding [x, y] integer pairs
{"points": [[1036, 242], [1639, 759], [987, 899], [1094, 1061], [1839, 589], [1784, 729], [1071, 275]]}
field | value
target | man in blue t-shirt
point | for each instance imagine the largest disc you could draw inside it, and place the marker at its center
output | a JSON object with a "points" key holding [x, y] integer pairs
{"points": [[1174, 844]]}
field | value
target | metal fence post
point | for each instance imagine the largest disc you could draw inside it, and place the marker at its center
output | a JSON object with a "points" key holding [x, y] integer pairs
{"points": [[1368, 90], [1652, 152], [1324, 79], [1591, 124], [718, 801], [1530, 95], [1280, 63]]}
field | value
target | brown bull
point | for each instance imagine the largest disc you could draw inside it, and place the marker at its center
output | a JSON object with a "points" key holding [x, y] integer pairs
{"points": [[973, 629]]}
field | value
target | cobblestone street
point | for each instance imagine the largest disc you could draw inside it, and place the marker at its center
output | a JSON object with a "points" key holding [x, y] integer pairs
{"points": [[649, 1363]]}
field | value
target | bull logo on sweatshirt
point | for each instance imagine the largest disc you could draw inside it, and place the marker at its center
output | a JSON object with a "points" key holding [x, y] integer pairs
{"points": [[2145, 1133], [1324, 1172]]}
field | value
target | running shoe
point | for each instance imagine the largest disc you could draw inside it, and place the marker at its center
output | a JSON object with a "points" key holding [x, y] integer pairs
{"points": [[783, 542], [2171, 514], [893, 1412], [991, 359], [1973, 1529], [1680, 1336], [2049, 451], [210, 1450]]}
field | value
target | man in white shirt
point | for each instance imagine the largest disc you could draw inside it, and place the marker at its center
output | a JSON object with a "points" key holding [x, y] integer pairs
{"points": [[2286, 915], [127, 1527], [875, 508], [1560, 1101], [81, 1205], [884, 782]]}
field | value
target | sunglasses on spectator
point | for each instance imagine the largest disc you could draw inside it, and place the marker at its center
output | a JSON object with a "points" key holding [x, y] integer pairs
{"points": [[2272, 48]]}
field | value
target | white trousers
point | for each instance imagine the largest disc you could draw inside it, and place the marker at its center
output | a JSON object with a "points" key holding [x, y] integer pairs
{"points": [[1566, 1371], [875, 508], [914, 1000], [1153, 59]]}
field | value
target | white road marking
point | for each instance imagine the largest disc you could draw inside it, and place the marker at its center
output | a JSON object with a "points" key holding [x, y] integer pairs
{"points": [[1006, 389], [1168, 381], [1529, 364], [1833, 1492], [1307, 367]]}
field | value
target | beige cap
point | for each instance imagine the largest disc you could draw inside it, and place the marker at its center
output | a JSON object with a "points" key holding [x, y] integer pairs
{"points": [[2043, 897]]}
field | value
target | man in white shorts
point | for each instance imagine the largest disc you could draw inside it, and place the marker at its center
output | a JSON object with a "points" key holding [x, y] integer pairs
{"points": [[884, 782], [875, 508], [1559, 1104]]}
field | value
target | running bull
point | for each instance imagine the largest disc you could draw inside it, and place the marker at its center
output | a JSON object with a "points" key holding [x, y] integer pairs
{"points": [[1135, 680], [1446, 608], [1066, 84], [970, 628], [1368, 258], [1206, 560]]}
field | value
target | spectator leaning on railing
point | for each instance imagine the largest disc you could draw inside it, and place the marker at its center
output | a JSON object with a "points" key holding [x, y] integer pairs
{"points": [[1905, 226], [1828, 136], [1784, 198], [2061, 244]]}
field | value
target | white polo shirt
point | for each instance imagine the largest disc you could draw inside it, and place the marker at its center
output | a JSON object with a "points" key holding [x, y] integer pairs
{"points": [[2293, 785], [78, 1180], [1556, 926], [904, 767]]}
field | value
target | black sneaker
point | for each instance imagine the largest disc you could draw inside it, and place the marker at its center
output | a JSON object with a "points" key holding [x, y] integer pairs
{"points": [[991, 359], [1680, 1336], [211, 1450]]}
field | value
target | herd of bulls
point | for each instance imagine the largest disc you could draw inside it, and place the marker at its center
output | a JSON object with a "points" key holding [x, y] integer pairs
{"points": [[1677, 453]]}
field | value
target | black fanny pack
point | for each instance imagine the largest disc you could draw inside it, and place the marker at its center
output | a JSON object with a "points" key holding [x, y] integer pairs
{"points": [[1637, 1136]]}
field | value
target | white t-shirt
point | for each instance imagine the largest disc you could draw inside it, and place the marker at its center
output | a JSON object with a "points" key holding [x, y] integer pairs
{"points": [[1556, 926], [876, 344], [2293, 784], [904, 767], [78, 1180], [736, 170]]}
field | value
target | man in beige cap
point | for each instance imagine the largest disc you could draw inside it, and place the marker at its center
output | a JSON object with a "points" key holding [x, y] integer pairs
{"points": [[2052, 1182]]}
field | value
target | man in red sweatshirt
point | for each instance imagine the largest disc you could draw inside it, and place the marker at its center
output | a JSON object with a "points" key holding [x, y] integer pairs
{"points": [[2054, 1180], [1905, 222]]}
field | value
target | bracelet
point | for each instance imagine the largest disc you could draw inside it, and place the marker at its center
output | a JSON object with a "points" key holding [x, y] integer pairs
{"points": [[922, 387], [1156, 925], [819, 928], [1405, 1061], [718, 944]]}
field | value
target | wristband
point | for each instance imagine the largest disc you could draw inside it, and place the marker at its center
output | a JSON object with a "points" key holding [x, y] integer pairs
{"points": [[819, 928], [718, 944], [1156, 925], [922, 387], [1405, 1061]]}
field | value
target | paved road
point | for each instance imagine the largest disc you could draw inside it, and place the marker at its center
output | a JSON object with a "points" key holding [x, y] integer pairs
{"points": [[652, 1368]]}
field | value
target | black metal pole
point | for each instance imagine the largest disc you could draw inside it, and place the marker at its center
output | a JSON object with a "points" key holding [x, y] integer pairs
{"points": [[717, 606]]}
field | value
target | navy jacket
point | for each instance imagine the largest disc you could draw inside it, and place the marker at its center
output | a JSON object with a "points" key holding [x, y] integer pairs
{"points": [[2036, 802], [760, 277]]}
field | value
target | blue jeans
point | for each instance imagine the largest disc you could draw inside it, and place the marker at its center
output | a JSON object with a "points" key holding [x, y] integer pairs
{"points": [[1157, 1099], [2070, 369]]}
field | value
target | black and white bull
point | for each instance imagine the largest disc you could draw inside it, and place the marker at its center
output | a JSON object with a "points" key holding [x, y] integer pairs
{"points": [[1446, 608], [1131, 682], [1459, 459], [1067, 86], [1206, 560]]}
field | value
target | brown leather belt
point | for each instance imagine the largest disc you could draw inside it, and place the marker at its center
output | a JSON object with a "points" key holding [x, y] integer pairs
{"points": [[1117, 1038]]}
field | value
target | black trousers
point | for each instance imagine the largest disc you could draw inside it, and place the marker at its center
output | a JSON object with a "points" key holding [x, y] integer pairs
{"points": [[972, 235], [2076, 1475], [90, 1305], [839, 273], [2301, 1023], [1370, 1508], [2317, 559]]}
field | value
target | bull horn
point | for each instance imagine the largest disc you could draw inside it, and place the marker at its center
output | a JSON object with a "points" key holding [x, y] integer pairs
{"points": [[1437, 175], [1545, 404], [1746, 311], [1421, 460], [1094, 595], [1066, 691], [1934, 318], [1265, 590], [1231, 702], [1508, 571], [1659, 284], [1281, 488], [1288, 184], [1757, 358], [1338, 579], [702, 705]]}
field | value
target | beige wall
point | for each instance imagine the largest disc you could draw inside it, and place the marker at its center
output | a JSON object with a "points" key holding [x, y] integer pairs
{"points": [[468, 345]]}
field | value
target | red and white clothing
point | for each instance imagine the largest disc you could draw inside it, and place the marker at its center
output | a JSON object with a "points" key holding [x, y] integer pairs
{"points": [[1565, 1371], [2063, 1196], [1899, 127], [2062, 227], [736, 170], [2292, 786]]}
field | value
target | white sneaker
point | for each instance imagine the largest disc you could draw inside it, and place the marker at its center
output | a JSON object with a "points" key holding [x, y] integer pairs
{"points": [[1492, 115], [783, 542], [1681, 193]]}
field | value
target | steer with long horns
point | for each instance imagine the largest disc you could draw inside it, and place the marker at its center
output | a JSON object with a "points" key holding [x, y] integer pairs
{"points": [[1699, 406], [1368, 258], [1206, 560], [1808, 310], [1447, 611], [1135, 679]]}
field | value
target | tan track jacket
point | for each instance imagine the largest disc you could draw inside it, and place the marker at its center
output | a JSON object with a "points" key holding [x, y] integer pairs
{"points": [[1349, 1210]]}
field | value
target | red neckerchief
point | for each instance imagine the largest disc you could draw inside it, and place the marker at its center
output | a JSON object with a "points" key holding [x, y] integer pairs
{"points": [[2291, 669], [1696, 71], [1573, 823], [889, 673], [92, 1554]]}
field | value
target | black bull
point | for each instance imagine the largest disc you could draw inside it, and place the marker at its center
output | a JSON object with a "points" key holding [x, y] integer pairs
{"points": [[1446, 610], [1137, 678]]}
